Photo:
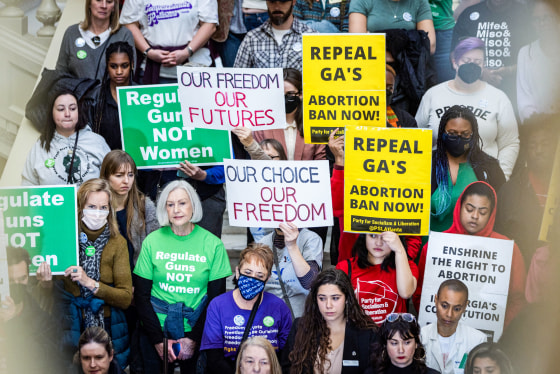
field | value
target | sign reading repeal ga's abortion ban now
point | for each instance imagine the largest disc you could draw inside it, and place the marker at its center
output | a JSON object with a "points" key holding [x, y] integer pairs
{"points": [[154, 135], [265, 194], [42, 219], [220, 98], [387, 185], [343, 83]]}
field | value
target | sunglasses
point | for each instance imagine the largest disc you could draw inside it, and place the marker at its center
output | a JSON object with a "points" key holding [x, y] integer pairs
{"points": [[407, 317]]}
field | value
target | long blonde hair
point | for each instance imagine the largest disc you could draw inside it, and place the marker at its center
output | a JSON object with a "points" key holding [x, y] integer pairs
{"points": [[259, 341], [113, 22]]}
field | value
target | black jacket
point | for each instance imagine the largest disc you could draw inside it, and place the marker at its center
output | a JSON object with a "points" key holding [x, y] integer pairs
{"points": [[357, 349]]}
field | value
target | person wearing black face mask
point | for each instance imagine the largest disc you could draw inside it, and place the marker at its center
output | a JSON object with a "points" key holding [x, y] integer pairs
{"points": [[491, 106], [457, 162], [25, 329], [231, 316], [396, 117]]}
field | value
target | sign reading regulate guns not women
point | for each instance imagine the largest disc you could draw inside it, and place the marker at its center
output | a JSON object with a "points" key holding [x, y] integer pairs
{"points": [[219, 98], [42, 220], [154, 135], [387, 180], [343, 83]]}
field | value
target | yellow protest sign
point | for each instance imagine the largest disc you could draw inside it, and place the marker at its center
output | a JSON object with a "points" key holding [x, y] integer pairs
{"points": [[552, 199], [387, 180], [343, 83]]}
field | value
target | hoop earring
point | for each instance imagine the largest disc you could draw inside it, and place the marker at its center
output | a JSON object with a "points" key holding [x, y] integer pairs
{"points": [[420, 356]]}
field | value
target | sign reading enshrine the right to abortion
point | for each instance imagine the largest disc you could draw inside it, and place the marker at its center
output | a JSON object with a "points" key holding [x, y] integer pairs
{"points": [[387, 180], [483, 264], [155, 136], [343, 83], [42, 220], [264, 193]]}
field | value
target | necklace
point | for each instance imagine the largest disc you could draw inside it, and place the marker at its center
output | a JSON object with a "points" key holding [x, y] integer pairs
{"points": [[395, 9], [96, 40]]}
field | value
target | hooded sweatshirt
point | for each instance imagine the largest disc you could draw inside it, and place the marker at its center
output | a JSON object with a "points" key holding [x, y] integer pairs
{"points": [[516, 296], [51, 168]]}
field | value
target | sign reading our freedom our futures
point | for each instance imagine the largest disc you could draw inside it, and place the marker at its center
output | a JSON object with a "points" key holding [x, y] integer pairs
{"points": [[225, 98], [154, 134], [387, 184], [264, 194], [483, 264], [343, 83], [43, 221]]}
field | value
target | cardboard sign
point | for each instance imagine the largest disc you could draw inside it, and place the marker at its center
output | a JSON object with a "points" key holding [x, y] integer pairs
{"points": [[387, 184], [552, 199], [265, 194], [483, 264], [43, 220], [154, 135], [225, 98], [343, 83]]}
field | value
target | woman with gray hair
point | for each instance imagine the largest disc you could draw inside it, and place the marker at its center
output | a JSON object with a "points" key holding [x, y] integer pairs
{"points": [[181, 268]]}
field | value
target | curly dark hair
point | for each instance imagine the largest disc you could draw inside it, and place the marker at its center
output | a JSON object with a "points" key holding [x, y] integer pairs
{"points": [[407, 330], [312, 341]]}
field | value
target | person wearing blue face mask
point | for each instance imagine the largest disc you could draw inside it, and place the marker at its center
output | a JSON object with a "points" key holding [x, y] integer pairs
{"points": [[244, 312], [457, 162]]}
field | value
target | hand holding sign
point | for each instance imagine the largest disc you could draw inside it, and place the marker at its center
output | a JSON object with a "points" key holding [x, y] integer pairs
{"points": [[44, 275], [245, 135], [336, 145], [78, 275], [291, 234], [192, 171]]}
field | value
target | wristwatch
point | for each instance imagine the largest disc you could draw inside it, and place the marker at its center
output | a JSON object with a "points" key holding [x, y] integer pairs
{"points": [[95, 287], [146, 51]]}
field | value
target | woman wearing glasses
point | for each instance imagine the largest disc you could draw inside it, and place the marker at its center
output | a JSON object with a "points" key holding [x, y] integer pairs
{"points": [[457, 162], [399, 349], [492, 108], [334, 335]]}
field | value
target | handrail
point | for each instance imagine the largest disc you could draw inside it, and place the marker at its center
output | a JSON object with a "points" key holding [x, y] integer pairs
{"points": [[27, 135]]}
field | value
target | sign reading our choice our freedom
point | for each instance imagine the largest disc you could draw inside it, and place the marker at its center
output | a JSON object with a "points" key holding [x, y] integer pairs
{"points": [[343, 83], [155, 136], [264, 194], [42, 220], [387, 180], [226, 98], [483, 264]]}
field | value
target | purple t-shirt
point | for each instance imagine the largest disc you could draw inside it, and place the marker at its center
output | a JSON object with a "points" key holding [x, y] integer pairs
{"points": [[225, 323]]}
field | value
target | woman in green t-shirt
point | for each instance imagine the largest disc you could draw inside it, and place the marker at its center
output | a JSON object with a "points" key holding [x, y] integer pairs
{"points": [[181, 268]]}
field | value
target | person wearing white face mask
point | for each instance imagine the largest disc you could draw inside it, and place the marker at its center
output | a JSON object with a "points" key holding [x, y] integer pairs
{"points": [[97, 290]]}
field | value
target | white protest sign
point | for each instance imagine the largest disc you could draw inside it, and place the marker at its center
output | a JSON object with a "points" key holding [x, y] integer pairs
{"points": [[267, 193], [483, 264], [226, 98]]}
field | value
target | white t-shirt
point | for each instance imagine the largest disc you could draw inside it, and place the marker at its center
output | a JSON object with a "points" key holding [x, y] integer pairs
{"points": [[171, 23], [445, 344], [497, 125]]}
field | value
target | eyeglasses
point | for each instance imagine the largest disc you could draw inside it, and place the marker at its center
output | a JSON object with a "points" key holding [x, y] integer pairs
{"points": [[407, 317], [454, 136], [274, 157]]}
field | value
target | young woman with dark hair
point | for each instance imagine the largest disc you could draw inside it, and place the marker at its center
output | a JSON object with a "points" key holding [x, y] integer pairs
{"points": [[334, 335]]}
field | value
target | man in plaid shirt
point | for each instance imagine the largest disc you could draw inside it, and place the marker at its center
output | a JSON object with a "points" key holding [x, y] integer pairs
{"points": [[276, 43]]}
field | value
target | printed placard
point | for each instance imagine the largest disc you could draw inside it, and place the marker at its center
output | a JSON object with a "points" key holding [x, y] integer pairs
{"points": [[343, 83], [265, 194], [154, 135], [43, 220], [483, 264], [226, 98], [387, 184]]}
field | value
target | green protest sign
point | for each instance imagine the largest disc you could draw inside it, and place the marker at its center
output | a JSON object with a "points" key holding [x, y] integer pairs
{"points": [[154, 135], [43, 221]]}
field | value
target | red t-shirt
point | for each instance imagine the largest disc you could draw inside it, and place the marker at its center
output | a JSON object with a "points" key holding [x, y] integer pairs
{"points": [[376, 290]]}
